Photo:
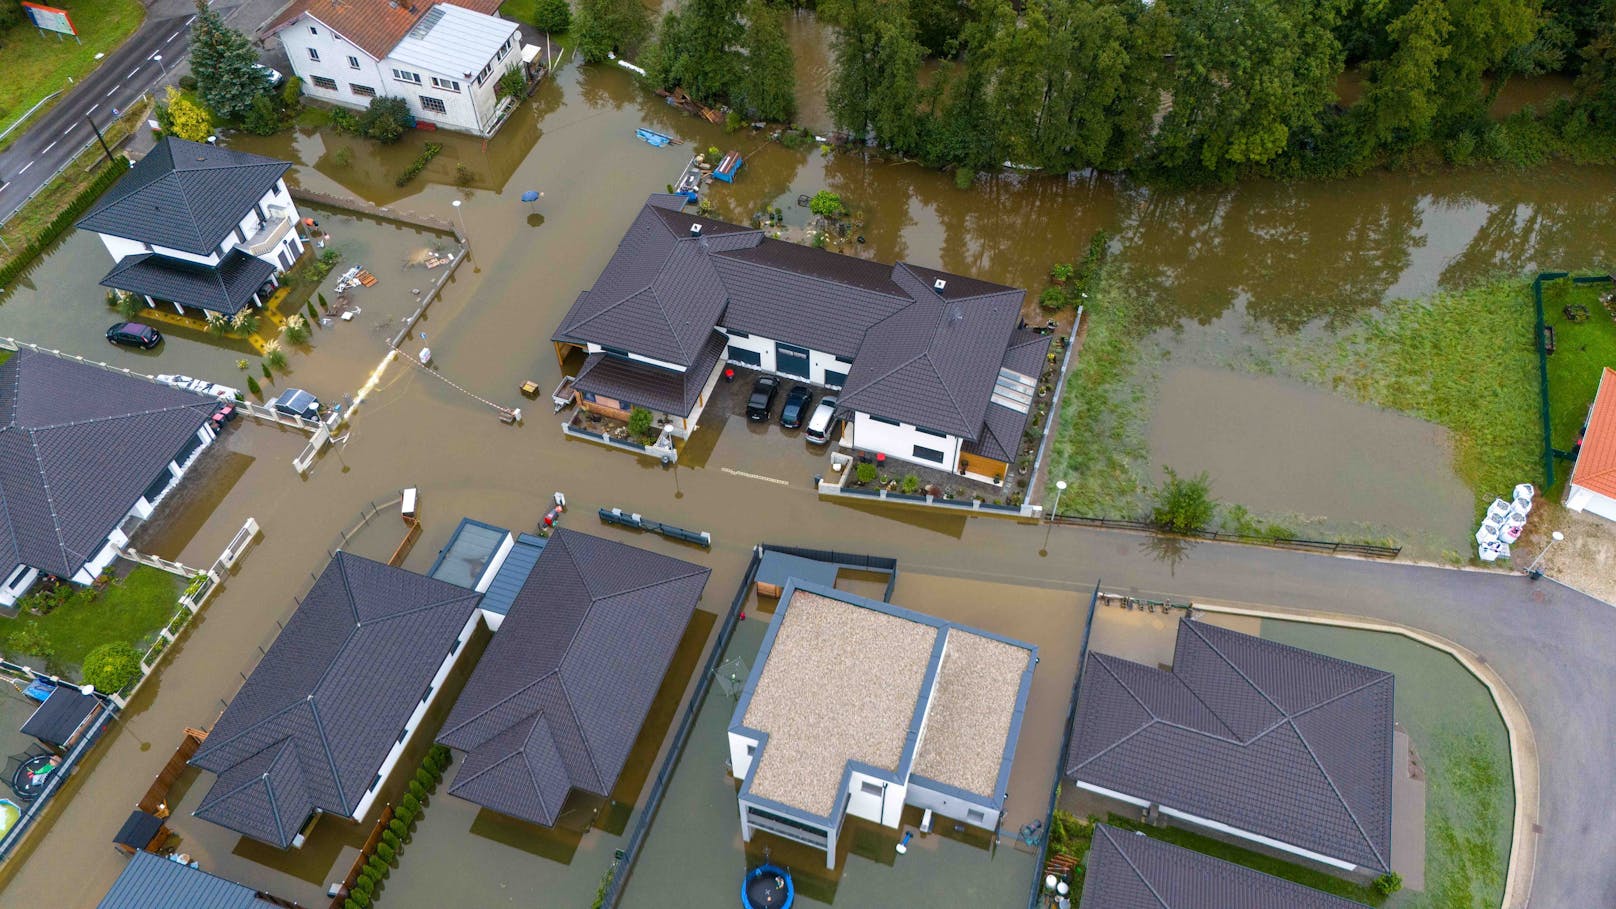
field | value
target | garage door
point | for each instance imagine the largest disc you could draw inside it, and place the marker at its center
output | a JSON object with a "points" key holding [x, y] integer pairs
{"points": [[835, 379], [791, 361], [742, 355]]}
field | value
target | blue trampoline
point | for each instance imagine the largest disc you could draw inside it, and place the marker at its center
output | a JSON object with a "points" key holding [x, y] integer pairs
{"points": [[768, 886]]}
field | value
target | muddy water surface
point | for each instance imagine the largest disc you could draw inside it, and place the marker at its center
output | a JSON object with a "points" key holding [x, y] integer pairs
{"points": [[1278, 258]]}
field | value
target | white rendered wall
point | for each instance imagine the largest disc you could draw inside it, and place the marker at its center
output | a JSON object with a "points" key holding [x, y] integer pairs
{"points": [[900, 441]]}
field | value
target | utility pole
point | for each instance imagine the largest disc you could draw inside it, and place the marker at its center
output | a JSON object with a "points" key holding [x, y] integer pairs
{"points": [[103, 139]]}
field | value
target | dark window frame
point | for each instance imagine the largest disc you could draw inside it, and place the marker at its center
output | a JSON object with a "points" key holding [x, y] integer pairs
{"points": [[924, 453], [321, 82], [434, 105]]}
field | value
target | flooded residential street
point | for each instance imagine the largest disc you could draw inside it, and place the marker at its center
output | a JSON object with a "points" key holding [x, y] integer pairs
{"points": [[1256, 261]]}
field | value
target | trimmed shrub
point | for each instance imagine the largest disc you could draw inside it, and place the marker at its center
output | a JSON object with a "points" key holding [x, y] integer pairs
{"points": [[267, 374], [440, 756], [377, 866], [410, 803], [385, 119], [426, 778], [360, 897], [314, 314], [30, 251], [387, 852], [428, 152], [865, 472], [112, 667], [404, 814], [350, 904], [399, 829], [363, 884], [416, 791], [254, 387]]}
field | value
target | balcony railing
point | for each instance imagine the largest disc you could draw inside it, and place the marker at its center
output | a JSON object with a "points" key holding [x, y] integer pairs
{"points": [[268, 236]]}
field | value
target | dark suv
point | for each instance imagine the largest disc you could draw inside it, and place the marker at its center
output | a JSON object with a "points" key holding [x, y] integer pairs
{"points": [[134, 334], [796, 406], [762, 399]]}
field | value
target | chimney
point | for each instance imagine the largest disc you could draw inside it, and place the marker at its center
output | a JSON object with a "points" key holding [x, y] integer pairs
{"points": [[938, 286], [695, 229]]}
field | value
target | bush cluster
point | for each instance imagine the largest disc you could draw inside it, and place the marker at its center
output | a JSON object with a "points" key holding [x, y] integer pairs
{"points": [[25, 255], [428, 152]]}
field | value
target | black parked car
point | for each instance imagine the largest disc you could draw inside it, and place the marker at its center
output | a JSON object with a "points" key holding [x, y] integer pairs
{"points": [[762, 399], [134, 334], [796, 406]]}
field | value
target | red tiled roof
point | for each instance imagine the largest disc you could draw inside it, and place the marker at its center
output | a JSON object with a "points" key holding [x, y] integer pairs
{"points": [[375, 25], [1596, 462]]}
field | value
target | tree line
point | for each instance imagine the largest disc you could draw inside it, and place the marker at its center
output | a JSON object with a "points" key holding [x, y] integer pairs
{"points": [[1176, 89]]}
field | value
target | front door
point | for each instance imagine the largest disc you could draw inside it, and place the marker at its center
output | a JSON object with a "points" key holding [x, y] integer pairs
{"points": [[791, 361]]}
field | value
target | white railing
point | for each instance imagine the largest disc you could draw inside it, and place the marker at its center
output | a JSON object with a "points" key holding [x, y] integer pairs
{"points": [[267, 237]]}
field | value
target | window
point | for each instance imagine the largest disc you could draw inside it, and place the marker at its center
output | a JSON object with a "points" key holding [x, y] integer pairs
{"points": [[502, 52], [434, 105], [869, 788], [363, 90], [750, 749], [404, 75], [426, 694], [375, 782], [929, 454], [975, 816], [449, 85], [323, 82], [884, 420], [482, 76], [737, 333], [314, 55], [313, 30], [353, 62], [931, 432], [402, 733]]}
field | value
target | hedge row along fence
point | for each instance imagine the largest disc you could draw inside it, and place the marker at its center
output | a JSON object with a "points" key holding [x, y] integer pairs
{"points": [[384, 848], [24, 257]]}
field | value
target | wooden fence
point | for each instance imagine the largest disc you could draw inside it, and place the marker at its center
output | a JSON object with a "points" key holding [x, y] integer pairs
{"points": [[156, 796], [365, 852]]}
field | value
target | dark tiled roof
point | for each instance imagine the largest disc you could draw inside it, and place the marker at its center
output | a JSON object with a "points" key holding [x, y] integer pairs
{"points": [[1026, 353], [55, 721], [1127, 870], [224, 288], [919, 356], [376, 26], [184, 195], [1003, 427], [312, 724], [151, 881], [513, 573], [78, 446], [558, 698], [1261, 736], [934, 362], [653, 387]]}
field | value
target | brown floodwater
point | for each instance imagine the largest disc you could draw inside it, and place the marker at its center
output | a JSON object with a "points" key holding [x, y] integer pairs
{"points": [[1261, 259]]}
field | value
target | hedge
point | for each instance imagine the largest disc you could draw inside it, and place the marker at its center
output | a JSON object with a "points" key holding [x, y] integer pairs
{"points": [[30, 251]]}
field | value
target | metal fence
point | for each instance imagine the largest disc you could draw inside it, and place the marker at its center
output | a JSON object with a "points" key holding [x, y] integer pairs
{"points": [[1328, 547], [1541, 343], [623, 865], [1036, 895]]}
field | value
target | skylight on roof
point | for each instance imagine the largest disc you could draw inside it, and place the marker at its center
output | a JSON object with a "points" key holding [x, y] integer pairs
{"points": [[433, 17], [1013, 390]]}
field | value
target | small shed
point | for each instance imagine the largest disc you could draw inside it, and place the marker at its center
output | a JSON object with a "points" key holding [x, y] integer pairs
{"points": [[63, 718], [142, 832], [777, 568]]}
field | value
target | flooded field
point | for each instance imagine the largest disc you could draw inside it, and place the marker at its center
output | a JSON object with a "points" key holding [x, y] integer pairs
{"points": [[1270, 258]]}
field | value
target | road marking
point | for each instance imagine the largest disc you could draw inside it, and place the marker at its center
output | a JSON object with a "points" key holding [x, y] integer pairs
{"points": [[190, 20], [131, 74], [93, 107], [171, 37], [753, 476], [25, 168], [69, 129], [48, 148], [110, 91]]}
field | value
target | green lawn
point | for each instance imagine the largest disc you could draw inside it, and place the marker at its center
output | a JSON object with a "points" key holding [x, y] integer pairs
{"points": [[37, 64], [1582, 350], [1318, 880], [131, 610]]}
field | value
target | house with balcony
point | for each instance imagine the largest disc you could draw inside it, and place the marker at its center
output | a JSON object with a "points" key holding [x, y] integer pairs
{"points": [[85, 453], [444, 59], [933, 368], [197, 227], [857, 707]]}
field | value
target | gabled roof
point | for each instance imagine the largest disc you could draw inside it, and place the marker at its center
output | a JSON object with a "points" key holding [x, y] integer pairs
{"points": [[455, 41], [78, 446], [1128, 870], [919, 355], [151, 881], [643, 385], [225, 288], [1264, 737], [184, 195], [311, 726], [1595, 469], [559, 696], [375, 26]]}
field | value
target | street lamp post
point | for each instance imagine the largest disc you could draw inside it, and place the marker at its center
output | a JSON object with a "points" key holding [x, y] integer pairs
{"points": [[159, 59], [1534, 571], [464, 237], [1060, 487]]}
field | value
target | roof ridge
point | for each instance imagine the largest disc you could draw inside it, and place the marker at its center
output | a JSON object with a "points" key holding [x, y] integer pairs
{"points": [[199, 402], [1195, 629], [1330, 781], [50, 499], [594, 766], [325, 746], [1098, 828], [912, 302], [952, 401], [448, 731], [730, 254]]}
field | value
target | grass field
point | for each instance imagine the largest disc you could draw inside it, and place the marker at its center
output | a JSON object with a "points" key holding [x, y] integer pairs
{"points": [[37, 64], [131, 610], [1582, 351]]}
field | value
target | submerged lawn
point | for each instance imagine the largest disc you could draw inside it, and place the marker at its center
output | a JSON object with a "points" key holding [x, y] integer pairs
{"points": [[131, 610], [1463, 359]]}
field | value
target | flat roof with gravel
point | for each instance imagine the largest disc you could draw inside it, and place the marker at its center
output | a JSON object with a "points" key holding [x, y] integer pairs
{"points": [[842, 680]]}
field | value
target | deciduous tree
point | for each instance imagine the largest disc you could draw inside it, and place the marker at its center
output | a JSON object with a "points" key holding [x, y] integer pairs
{"points": [[767, 83], [874, 89], [610, 26], [1400, 99], [186, 118]]}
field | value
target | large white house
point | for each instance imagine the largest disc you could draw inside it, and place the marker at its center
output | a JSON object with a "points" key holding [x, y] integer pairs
{"points": [[932, 367], [198, 226], [1593, 479], [858, 707], [443, 59]]}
